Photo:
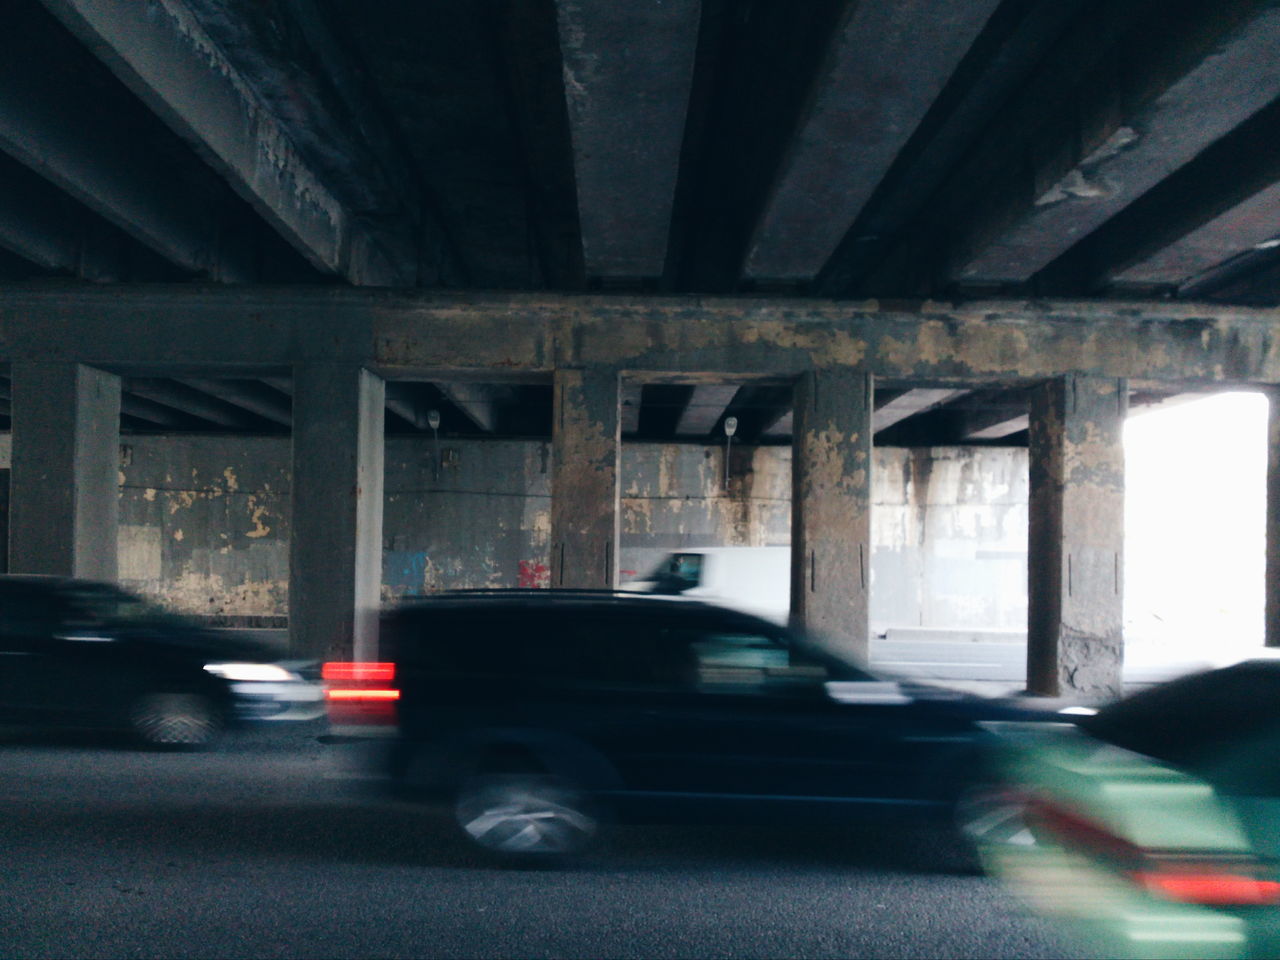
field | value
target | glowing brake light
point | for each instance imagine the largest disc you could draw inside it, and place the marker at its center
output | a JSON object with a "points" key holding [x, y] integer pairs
{"points": [[1210, 887], [381, 672], [360, 692]]}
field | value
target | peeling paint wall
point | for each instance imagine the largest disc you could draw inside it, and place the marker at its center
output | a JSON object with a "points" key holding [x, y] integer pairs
{"points": [[205, 521], [204, 524]]}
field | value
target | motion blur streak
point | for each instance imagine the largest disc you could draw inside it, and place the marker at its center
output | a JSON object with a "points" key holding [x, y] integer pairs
{"points": [[379, 672], [341, 694]]}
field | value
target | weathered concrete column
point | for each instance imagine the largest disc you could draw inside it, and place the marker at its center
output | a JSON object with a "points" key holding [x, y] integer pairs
{"points": [[335, 552], [1273, 519], [585, 448], [64, 493], [831, 506], [1075, 595]]}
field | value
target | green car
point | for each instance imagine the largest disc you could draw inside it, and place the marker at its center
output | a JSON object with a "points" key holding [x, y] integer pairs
{"points": [[1152, 829]]}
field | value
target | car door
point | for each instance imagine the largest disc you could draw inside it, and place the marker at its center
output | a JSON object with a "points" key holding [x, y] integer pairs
{"points": [[749, 717], [42, 677]]}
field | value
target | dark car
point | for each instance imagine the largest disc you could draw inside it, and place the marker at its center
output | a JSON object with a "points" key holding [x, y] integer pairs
{"points": [[535, 713], [81, 654]]}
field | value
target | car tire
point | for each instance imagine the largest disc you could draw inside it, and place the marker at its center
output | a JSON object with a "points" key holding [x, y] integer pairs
{"points": [[524, 816], [990, 816], [175, 720]]}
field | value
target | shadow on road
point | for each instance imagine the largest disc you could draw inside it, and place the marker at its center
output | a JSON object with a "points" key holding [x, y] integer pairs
{"points": [[393, 833]]}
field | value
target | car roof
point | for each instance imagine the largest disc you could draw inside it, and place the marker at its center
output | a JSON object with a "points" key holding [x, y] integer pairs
{"points": [[600, 600]]}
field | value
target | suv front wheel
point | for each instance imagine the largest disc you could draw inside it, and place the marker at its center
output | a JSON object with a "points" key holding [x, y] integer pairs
{"points": [[524, 815]]}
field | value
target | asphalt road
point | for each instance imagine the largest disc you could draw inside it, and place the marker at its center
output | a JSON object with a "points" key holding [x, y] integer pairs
{"points": [[257, 850]]}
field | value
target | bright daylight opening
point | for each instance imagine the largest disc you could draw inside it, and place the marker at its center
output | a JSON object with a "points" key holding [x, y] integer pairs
{"points": [[1195, 524]]}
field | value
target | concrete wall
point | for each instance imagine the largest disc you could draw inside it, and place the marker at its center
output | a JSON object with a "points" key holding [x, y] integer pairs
{"points": [[205, 521], [949, 527]]}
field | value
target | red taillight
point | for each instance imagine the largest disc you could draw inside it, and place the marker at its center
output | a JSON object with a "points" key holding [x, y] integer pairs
{"points": [[380, 672], [1227, 881], [360, 693], [1210, 885]]}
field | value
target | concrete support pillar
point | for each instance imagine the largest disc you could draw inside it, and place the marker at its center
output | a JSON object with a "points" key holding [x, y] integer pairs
{"points": [[64, 494], [585, 441], [831, 506], [335, 552], [1075, 595], [1273, 519]]}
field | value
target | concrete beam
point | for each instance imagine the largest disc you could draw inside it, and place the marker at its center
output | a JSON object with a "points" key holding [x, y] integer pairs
{"points": [[886, 67], [160, 51], [628, 70], [477, 401], [37, 224], [151, 412], [1247, 226], [705, 408], [1011, 46], [190, 401], [56, 127], [993, 414], [256, 331], [335, 548], [910, 403], [585, 460], [254, 396], [1129, 138], [759, 408], [831, 507], [63, 493], [1075, 616], [404, 401]]}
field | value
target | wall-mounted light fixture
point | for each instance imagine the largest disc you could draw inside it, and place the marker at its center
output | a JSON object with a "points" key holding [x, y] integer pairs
{"points": [[730, 428], [433, 421]]}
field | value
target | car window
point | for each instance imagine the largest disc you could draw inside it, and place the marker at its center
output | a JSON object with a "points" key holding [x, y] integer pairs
{"points": [[677, 573], [732, 660]]}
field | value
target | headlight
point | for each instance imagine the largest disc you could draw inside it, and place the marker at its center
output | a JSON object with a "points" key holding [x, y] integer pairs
{"points": [[249, 671]]}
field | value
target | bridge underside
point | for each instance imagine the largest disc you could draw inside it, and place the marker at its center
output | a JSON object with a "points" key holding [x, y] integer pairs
{"points": [[337, 355]]}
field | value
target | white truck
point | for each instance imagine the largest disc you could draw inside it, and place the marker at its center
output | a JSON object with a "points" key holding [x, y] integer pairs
{"points": [[755, 580]]}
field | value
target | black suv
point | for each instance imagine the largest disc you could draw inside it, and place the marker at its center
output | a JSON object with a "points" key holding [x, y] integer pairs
{"points": [[535, 713], [82, 654]]}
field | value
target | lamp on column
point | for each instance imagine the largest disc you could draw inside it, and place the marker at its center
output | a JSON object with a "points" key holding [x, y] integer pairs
{"points": [[433, 421], [730, 428]]}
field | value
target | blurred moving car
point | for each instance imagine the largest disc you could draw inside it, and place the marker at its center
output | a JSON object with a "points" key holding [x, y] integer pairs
{"points": [[535, 714], [1153, 828], [77, 653]]}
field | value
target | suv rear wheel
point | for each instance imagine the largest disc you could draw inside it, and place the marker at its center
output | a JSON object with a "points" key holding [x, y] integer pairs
{"points": [[525, 815]]}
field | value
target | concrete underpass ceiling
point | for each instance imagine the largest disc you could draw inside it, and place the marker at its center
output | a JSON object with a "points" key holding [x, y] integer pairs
{"points": [[848, 149]]}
